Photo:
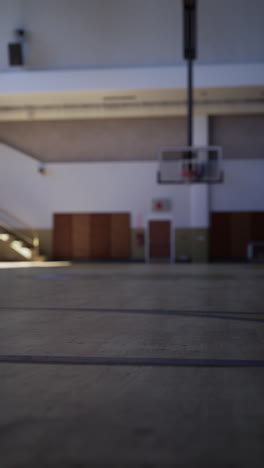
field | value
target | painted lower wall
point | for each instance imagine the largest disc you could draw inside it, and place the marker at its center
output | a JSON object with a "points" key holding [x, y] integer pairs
{"points": [[138, 239], [191, 244]]}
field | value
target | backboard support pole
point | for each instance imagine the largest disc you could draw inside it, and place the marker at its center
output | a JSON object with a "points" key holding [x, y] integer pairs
{"points": [[190, 164], [190, 103], [189, 53]]}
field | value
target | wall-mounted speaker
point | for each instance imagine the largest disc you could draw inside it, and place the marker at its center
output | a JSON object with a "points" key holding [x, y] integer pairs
{"points": [[15, 54]]}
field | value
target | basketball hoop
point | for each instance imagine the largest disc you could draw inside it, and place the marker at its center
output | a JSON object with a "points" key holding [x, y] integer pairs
{"points": [[190, 164], [188, 173]]}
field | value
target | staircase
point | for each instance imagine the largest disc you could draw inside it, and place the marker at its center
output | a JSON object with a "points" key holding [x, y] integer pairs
{"points": [[17, 239]]}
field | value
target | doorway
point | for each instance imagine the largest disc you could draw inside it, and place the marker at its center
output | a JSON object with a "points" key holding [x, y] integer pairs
{"points": [[160, 244]]}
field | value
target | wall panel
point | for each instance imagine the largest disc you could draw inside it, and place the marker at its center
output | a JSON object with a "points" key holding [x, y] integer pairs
{"points": [[100, 236], [120, 236], [231, 232], [220, 236], [81, 236], [240, 234], [62, 237], [257, 226]]}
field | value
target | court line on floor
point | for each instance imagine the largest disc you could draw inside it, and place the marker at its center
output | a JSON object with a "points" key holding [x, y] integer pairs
{"points": [[129, 361], [220, 315]]}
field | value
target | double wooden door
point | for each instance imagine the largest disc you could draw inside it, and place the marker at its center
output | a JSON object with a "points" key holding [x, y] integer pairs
{"points": [[231, 232], [81, 236]]}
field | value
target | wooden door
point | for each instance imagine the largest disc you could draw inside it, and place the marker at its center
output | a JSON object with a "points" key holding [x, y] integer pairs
{"points": [[159, 239], [257, 226], [230, 233], [62, 236], [120, 235], [220, 236], [240, 235], [100, 236], [81, 236]]}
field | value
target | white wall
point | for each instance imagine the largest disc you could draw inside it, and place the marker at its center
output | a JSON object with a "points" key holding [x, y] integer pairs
{"points": [[122, 33], [110, 187], [83, 187], [243, 187]]}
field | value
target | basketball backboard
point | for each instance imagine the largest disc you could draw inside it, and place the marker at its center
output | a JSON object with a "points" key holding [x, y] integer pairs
{"points": [[190, 164]]}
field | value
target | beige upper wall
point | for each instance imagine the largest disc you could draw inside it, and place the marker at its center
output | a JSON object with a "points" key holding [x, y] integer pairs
{"points": [[94, 140]]}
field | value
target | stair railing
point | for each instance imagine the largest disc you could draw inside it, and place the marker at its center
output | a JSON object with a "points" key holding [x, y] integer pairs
{"points": [[17, 228]]}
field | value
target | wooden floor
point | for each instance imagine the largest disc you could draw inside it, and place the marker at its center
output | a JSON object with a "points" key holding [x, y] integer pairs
{"points": [[132, 365]]}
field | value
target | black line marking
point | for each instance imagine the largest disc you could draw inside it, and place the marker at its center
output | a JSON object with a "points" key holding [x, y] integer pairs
{"points": [[116, 309], [220, 315], [129, 361]]}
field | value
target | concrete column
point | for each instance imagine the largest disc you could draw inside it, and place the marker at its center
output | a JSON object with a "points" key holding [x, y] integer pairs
{"points": [[199, 199]]}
